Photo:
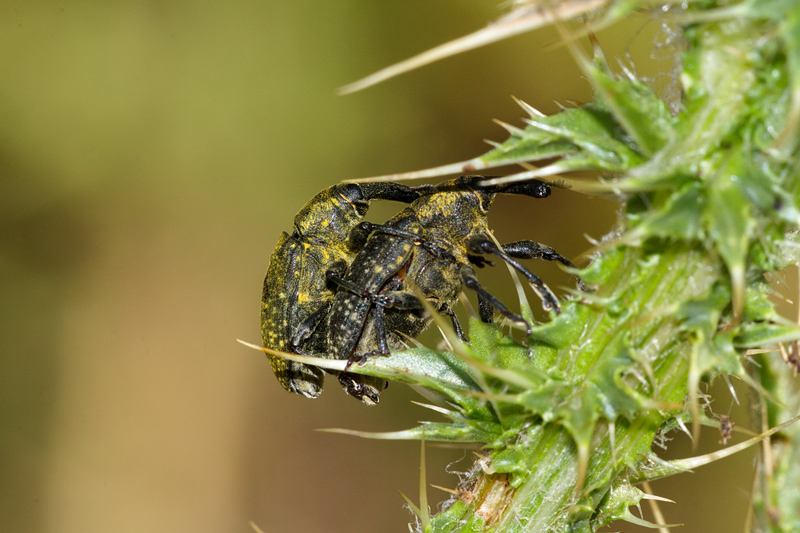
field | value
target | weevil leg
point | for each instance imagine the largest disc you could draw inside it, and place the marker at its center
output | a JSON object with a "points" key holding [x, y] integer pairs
{"points": [[380, 340], [483, 244], [380, 330], [479, 261], [533, 188], [336, 278], [446, 310], [408, 301], [395, 191], [470, 280], [359, 234], [401, 300], [367, 388], [360, 194], [534, 250], [485, 309], [389, 298], [307, 327]]}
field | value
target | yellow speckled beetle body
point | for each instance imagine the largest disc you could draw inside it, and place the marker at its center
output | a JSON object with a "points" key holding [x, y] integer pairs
{"points": [[429, 247], [296, 295]]}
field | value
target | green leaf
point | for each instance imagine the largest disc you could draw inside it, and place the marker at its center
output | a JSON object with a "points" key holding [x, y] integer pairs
{"points": [[643, 115], [751, 335], [615, 506], [678, 218], [730, 225], [588, 138]]}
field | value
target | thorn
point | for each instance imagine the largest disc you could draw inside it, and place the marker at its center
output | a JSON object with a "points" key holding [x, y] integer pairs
{"points": [[520, 21], [644, 523], [332, 364], [583, 467], [532, 111], [467, 305], [512, 130], [416, 510], [432, 172], [648, 496], [449, 491], [436, 408], [425, 518], [592, 240], [656, 510], [448, 346], [463, 495], [683, 428], [702, 460]]}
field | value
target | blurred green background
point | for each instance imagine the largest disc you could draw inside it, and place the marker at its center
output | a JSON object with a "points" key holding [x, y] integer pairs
{"points": [[151, 153]]}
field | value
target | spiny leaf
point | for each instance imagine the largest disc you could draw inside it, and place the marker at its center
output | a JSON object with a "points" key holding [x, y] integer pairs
{"points": [[642, 114], [677, 218], [588, 138], [730, 225]]}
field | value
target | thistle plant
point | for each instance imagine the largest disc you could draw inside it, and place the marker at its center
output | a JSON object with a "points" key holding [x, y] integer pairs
{"points": [[679, 292]]}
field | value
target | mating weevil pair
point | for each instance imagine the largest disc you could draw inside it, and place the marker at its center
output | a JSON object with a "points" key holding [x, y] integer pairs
{"points": [[297, 295], [344, 289]]}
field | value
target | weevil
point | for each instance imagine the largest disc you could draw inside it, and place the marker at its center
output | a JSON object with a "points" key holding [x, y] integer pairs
{"points": [[429, 249], [373, 285], [296, 295]]}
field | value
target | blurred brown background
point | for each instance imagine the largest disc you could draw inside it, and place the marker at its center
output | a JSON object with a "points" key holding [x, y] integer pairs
{"points": [[150, 154]]}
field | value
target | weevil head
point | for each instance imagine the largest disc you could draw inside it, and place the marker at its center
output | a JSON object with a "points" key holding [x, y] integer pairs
{"points": [[365, 388], [331, 215], [306, 387], [297, 377]]}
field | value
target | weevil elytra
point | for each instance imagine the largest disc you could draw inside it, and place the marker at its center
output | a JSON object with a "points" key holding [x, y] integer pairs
{"points": [[429, 247], [297, 296]]}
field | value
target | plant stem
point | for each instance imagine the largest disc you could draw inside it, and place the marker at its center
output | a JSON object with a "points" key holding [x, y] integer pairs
{"points": [[643, 287]]}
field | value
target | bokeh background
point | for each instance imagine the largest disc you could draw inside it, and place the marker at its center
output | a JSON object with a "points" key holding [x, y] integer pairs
{"points": [[150, 155]]}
